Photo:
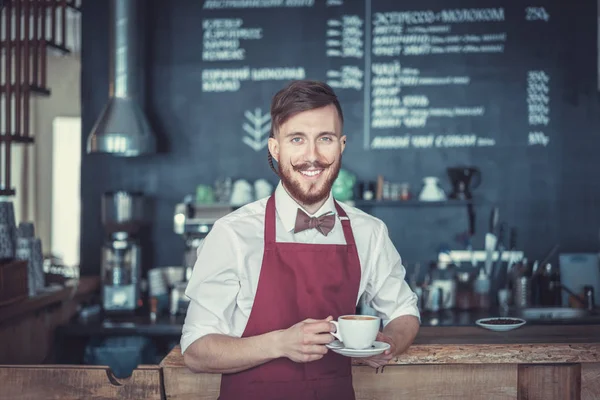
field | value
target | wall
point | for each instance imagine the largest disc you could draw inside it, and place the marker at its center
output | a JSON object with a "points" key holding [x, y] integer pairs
{"points": [[546, 196], [32, 171]]}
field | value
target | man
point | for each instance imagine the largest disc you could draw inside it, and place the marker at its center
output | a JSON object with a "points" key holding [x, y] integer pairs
{"points": [[268, 278]]}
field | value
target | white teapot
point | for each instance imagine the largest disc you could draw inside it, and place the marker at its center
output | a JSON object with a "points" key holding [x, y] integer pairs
{"points": [[431, 190]]}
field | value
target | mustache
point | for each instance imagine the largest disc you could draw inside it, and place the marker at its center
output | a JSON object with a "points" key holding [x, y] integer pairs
{"points": [[308, 165]]}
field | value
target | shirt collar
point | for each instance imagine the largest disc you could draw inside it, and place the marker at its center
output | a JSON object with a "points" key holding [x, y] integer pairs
{"points": [[287, 207]]}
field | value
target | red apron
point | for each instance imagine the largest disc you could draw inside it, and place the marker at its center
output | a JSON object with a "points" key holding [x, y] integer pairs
{"points": [[299, 281]]}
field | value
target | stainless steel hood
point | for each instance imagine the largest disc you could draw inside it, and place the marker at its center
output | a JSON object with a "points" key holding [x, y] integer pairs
{"points": [[122, 128]]}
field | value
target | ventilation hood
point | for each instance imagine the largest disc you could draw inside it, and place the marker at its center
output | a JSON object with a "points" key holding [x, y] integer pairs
{"points": [[122, 128]]}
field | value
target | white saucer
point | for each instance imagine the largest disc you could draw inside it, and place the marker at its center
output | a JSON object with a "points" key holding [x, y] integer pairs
{"points": [[484, 323], [376, 348]]}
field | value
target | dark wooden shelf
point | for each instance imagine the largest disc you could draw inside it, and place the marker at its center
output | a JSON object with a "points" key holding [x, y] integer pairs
{"points": [[33, 89], [57, 47], [7, 192], [409, 203], [16, 138], [38, 90], [73, 7]]}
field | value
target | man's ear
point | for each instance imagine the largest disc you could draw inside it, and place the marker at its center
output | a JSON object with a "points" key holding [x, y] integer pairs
{"points": [[343, 141], [274, 148]]}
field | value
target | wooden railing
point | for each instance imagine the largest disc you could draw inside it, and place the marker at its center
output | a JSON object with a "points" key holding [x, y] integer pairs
{"points": [[29, 29]]}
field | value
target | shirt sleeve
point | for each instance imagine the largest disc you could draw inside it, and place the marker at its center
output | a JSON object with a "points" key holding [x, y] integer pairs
{"points": [[213, 287], [387, 292]]}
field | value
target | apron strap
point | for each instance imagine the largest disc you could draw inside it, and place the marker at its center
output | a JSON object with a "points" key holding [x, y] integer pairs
{"points": [[270, 223], [343, 217]]}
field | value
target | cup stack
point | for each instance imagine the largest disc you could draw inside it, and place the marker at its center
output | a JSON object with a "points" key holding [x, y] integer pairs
{"points": [[8, 231], [29, 248]]}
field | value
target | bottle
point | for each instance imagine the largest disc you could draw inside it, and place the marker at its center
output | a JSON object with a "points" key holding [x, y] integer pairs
{"points": [[481, 288], [550, 291], [464, 291]]}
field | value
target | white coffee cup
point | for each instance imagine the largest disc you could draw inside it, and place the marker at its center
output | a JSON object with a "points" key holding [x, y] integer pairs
{"points": [[356, 331]]}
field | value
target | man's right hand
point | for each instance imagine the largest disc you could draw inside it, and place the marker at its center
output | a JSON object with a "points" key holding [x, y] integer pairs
{"points": [[306, 340]]}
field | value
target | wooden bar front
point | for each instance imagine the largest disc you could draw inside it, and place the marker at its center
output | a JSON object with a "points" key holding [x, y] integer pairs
{"points": [[533, 362]]}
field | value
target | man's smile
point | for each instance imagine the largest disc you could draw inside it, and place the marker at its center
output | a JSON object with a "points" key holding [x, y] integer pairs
{"points": [[312, 173]]}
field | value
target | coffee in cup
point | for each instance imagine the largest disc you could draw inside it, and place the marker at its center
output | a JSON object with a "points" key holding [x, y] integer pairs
{"points": [[357, 331]]}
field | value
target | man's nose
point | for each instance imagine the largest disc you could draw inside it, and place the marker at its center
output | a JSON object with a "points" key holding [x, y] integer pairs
{"points": [[312, 152]]}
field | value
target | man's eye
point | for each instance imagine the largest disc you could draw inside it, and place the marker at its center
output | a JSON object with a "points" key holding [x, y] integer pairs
{"points": [[326, 138], [296, 140]]}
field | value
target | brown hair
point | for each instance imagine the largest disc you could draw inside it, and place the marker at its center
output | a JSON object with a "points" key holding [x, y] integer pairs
{"points": [[299, 96]]}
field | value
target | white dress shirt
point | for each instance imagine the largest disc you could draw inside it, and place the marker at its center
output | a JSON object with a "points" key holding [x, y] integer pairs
{"points": [[225, 277]]}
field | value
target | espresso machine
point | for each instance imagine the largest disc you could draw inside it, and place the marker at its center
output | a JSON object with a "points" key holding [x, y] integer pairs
{"points": [[121, 265], [193, 222]]}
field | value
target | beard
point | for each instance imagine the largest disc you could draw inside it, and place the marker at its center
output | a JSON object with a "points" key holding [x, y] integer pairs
{"points": [[316, 191]]}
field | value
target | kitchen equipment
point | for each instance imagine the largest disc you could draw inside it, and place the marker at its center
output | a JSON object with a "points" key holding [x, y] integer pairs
{"points": [[121, 273], [521, 291], [578, 270], [481, 290], [197, 219], [588, 292], [498, 275], [464, 291], [476, 256], [178, 300], [190, 254], [161, 281], [123, 215], [463, 180], [193, 222], [512, 245], [550, 286], [123, 211], [441, 290], [431, 298], [504, 299], [491, 240], [431, 190]]}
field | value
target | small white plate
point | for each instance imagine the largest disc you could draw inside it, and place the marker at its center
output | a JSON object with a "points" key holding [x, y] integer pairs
{"points": [[376, 348], [485, 323]]}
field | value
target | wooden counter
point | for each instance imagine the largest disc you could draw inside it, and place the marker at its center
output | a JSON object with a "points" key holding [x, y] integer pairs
{"points": [[532, 362], [72, 288], [27, 327]]}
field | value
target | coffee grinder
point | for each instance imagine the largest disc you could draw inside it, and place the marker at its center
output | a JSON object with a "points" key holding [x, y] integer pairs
{"points": [[122, 217]]}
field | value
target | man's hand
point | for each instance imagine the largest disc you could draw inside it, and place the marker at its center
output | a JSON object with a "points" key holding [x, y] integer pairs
{"points": [[306, 340], [399, 333], [382, 359]]}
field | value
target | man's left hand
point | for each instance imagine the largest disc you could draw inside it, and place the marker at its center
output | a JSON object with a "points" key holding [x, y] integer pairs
{"points": [[382, 359]]}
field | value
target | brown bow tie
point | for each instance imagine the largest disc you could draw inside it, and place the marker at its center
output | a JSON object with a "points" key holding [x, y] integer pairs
{"points": [[323, 224]]}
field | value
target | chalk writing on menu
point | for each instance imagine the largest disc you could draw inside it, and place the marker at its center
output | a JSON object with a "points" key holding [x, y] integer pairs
{"points": [[386, 57], [224, 40]]}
